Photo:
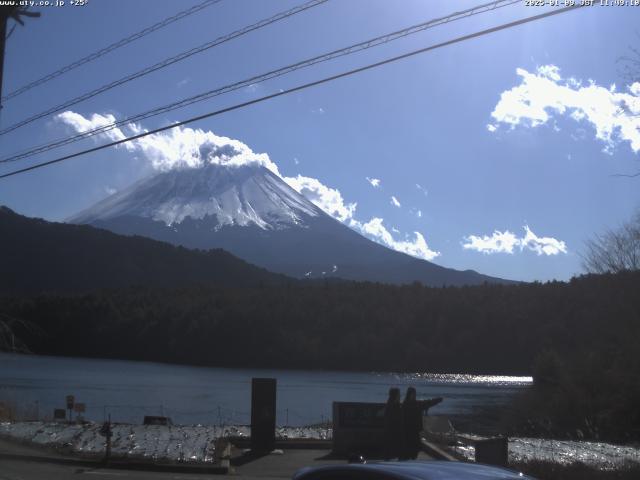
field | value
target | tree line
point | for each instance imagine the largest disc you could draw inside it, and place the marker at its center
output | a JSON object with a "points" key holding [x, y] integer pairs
{"points": [[578, 338]]}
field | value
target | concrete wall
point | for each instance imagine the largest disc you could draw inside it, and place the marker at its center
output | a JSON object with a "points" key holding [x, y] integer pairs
{"points": [[358, 427]]}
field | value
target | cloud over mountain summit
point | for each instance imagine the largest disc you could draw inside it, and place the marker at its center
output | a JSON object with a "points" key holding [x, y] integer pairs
{"points": [[184, 147]]}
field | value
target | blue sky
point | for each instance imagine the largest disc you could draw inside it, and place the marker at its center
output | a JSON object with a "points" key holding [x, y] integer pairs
{"points": [[503, 132]]}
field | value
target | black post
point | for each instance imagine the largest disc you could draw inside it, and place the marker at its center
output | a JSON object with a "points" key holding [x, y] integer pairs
{"points": [[109, 435], [263, 414], [106, 432], [70, 399]]}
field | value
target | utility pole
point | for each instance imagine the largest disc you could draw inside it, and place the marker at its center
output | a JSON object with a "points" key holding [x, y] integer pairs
{"points": [[4, 18], [7, 12]]}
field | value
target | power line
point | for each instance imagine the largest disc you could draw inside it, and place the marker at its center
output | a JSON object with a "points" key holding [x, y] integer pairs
{"points": [[628, 175], [14, 11], [300, 87], [110, 48], [373, 42], [165, 63], [13, 27]]}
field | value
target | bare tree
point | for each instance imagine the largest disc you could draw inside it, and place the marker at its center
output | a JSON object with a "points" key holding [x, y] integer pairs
{"points": [[616, 250], [9, 342]]}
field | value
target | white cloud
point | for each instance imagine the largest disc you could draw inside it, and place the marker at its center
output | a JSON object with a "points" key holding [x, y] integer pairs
{"points": [[81, 124], [183, 82], [318, 111], [110, 190], [415, 211], [492, 128], [615, 115], [328, 199], [177, 148], [422, 189], [417, 247], [395, 202], [296, 161], [375, 182], [252, 88], [507, 242], [542, 245], [191, 148], [499, 242], [331, 201]]}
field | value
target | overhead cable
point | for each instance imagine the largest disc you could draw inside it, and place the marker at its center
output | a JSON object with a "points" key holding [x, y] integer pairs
{"points": [[298, 88], [110, 48], [164, 63], [367, 44]]}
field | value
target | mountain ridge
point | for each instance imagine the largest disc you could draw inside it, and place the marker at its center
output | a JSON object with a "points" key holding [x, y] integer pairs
{"points": [[252, 213], [42, 256], [255, 193]]}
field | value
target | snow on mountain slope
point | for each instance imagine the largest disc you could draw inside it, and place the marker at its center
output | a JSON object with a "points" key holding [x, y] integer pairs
{"points": [[252, 213], [235, 195]]}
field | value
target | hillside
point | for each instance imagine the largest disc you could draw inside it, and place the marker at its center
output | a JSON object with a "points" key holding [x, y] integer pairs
{"points": [[480, 329], [39, 256]]}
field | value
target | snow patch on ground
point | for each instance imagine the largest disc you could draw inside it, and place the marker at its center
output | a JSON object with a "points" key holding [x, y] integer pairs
{"points": [[604, 456], [175, 443], [196, 443]]}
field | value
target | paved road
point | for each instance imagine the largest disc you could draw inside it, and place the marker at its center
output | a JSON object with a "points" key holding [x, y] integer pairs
{"points": [[272, 466], [19, 470]]}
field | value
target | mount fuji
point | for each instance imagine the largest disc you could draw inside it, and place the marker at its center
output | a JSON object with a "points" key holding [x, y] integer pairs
{"points": [[252, 213]]}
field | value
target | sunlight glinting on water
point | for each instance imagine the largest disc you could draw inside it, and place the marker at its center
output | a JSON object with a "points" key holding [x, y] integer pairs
{"points": [[454, 378]]}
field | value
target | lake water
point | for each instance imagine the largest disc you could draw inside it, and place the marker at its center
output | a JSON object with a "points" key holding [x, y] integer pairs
{"points": [[212, 396]]}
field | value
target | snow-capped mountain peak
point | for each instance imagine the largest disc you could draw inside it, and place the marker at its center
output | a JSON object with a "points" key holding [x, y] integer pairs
{"points": [[251, 212], [235, 195]]}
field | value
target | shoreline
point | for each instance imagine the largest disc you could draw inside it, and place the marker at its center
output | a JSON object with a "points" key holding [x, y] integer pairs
{"points": [[519, 379], [196, 444]]}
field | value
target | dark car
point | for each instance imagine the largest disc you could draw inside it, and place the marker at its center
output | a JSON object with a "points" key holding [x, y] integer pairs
{"points": [[431, 470]]}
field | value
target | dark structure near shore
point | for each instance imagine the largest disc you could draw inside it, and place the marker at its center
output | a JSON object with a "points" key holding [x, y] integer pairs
{"points": [[359, 427], [263, 414]]}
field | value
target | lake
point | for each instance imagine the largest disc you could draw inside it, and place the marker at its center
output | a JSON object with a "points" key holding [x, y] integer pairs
{"points": [[212, 396]]}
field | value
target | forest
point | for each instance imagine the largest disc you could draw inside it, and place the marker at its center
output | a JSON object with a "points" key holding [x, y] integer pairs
{"points": [[40, 256], [579, 338]]}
